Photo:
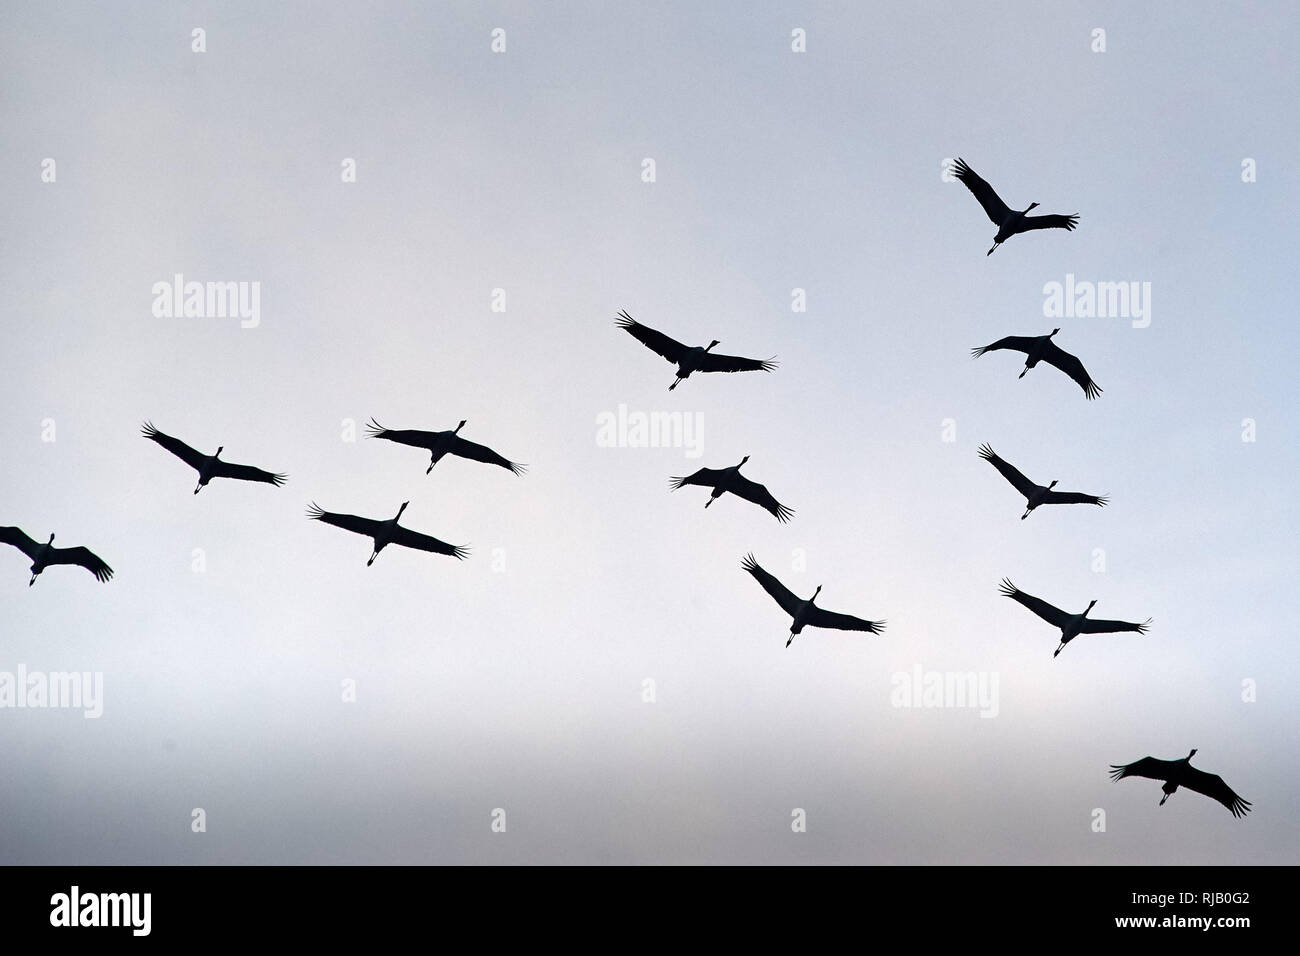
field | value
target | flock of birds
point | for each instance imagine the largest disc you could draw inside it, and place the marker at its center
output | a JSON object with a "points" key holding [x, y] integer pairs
{"points": [[689, 360]]}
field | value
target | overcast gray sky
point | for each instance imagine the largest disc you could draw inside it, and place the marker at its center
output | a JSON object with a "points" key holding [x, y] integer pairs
{"points": [[514, 680]]}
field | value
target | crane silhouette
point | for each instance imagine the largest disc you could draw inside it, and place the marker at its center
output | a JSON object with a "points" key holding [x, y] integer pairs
{"points": [[209, 466], [1181, 773], [438, 444], [1071, 625], [1036, 495], [722, 480], [384, 533], [45, 554], [1041, 348], [1008, 220], [687, 358], [806, 613]]}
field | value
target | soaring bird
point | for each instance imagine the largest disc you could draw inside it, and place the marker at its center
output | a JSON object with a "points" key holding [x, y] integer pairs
{"points": [[209, 466], [722, 480], [806, 613], [1008, 221], [384, 533], [1041, 348], [1181, 773], [438, 444], [44, 555], [1036, 495], [1071, 625], [690, 359]]}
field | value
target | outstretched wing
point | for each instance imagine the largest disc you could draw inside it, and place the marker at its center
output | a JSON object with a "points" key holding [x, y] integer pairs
{"points": [[423, 542], [465, 448], [407, 436], [1212, 785], [366, 526], [1052, 615], [1146, 767], [1073, 498], [1071, 366], [227, 469], [1093, 626], [1020, 343], [18, 538], [1047, 222], [177, 447], [713, 362], [1009, 472], [780, 593], [709, 477], [759, 495], [994, 207], [654, 340], [844, 622], [84, 557]]}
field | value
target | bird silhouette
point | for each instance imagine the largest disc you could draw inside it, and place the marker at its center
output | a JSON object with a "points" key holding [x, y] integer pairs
{"points": [[722, 480], [209, 466], [1181, 773], [1008, 221], [384, 533], [45, 554], [1036, 495], [438, 444], [1071, 625], [687, 358], [806, 613], [1041, 348]]}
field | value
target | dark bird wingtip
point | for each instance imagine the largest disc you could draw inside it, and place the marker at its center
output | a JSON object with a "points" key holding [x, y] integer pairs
{"points": [[315, 511], [1008, 589], [986, 451]]}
